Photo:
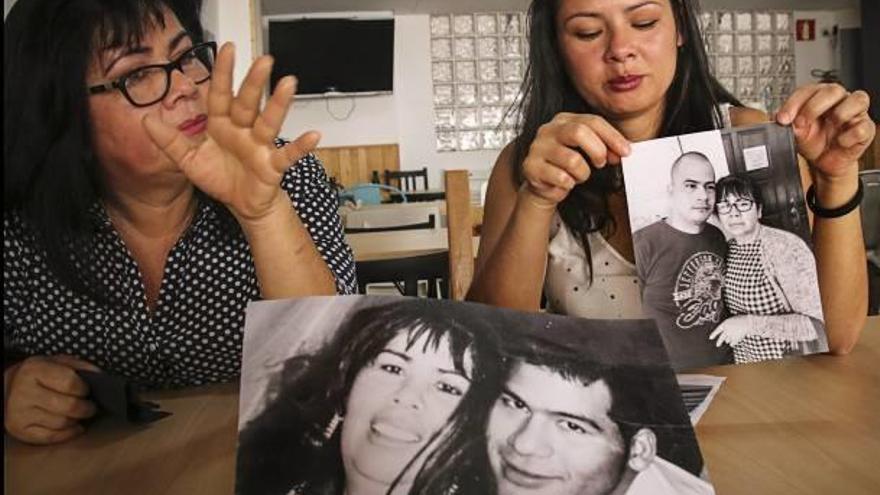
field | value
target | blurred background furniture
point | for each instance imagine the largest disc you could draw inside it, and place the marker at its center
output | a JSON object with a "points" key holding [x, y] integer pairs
{"points": [[430, 223], [350, 165], [391, 215], [406, 273], [870, 209], [460, 231], [367, 193], [406, 250], [410, 182], [407, 180]]}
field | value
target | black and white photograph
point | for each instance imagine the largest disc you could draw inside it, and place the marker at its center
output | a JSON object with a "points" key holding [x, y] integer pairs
{"points": [[722, 246], [363, 395]]}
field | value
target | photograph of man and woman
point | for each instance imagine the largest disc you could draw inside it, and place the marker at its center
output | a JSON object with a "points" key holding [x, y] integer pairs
{"points": [[384, 395], [722, 249]]}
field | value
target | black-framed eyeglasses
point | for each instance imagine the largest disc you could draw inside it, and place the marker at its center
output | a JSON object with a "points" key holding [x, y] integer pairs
{"points": [[149, 84], [742, 205]]}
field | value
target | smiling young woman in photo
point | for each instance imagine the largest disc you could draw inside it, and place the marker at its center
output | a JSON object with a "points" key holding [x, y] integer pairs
{"points": [[362, 414], [603, 74], [145, 204]]}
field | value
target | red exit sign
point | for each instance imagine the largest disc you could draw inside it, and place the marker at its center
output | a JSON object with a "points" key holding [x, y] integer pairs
{"points": [[805, 29]]}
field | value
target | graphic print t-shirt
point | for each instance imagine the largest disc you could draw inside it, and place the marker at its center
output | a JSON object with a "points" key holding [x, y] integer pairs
{"points": [[681, 276]]}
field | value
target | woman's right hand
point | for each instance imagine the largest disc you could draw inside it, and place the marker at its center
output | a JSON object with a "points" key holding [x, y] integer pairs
{"points": [[554, 164], [45, 399]]}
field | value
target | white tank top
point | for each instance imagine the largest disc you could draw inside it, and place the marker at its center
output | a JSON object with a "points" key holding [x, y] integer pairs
{"points": [[614, 292]]}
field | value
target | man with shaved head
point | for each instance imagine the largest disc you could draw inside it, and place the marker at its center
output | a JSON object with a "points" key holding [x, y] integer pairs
{"points": [[680, 261]]}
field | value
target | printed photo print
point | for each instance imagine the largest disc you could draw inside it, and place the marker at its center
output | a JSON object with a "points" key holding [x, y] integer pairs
{"points": [[722, 246], [364, 395]]}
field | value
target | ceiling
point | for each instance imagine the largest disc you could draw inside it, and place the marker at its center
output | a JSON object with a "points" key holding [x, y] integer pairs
{"points": [[275, 7]]}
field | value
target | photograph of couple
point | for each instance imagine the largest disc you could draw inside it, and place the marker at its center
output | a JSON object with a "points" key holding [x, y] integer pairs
{"points": [[364, 395], [722, 249]]}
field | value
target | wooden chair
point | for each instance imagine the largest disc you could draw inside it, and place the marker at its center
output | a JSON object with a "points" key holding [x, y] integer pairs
{"points": [[407, 180], [460, 228]]}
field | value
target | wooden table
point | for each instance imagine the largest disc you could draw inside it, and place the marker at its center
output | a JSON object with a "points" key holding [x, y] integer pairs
{"points": [[801, 426]]}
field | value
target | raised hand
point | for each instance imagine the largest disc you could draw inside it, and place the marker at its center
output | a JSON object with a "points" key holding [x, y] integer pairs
{"points": [[553, 165], [831, 126], [237, 162]]}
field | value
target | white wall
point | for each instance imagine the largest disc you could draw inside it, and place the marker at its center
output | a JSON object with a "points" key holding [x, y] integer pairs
{"points": [[230, 20], [819, 54], [405, 117]]}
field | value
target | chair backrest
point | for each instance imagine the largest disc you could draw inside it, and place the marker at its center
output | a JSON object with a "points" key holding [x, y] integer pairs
{"points": [[870, 208], [407, 179], [459, 225], [406, 273]]}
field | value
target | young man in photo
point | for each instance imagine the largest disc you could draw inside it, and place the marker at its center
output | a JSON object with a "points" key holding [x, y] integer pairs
{"points": [[577, 429], [680, 265]]}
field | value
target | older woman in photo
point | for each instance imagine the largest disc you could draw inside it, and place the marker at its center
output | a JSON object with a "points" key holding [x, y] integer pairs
{"points": [[770, 285], [145, 204], [360, 415]]}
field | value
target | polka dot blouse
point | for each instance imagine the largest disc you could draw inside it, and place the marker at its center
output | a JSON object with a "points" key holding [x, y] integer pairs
{"points": [[195, 334]]}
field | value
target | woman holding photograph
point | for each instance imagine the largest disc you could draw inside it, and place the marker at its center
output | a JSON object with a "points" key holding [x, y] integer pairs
{"points": [[604, 74], [360, 415], [146, 203], [770, 285]]}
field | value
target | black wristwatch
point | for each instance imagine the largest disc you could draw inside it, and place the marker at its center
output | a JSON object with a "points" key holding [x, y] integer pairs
{"points": [[840, 211]]}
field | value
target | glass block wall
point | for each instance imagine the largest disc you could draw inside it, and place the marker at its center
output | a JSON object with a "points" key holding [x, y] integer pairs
{"points": [[752, 54], [477, 68], [478, 62]]}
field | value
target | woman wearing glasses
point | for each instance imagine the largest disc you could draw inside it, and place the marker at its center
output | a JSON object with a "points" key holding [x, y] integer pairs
{"points": [[770, 286], [146, 205]]}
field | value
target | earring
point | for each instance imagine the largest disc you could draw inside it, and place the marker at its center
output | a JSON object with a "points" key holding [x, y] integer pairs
{"points": [[332, 425]]}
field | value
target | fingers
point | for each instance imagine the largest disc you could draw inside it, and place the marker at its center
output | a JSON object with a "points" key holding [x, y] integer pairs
{"points": [[168, 139], [295, 150], [246, 105], [809, 103], [268, 124], [52, 421], [858, 133], [822, 101], [851, 107], [41, 435], [220, 89], [793, 104], [594, 135], [65, 405]]}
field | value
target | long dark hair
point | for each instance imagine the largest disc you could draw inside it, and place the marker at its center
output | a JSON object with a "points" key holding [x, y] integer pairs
{"points": [[50, 171], [691, 106], [288, 444]]}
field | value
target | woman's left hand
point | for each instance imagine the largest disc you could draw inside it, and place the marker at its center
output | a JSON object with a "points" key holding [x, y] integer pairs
{"points": [[731, 331], [831, 126], [237, 162]]}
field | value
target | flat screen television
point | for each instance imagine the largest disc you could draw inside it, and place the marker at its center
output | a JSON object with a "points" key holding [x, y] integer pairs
{"points": [[334, 55]]}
